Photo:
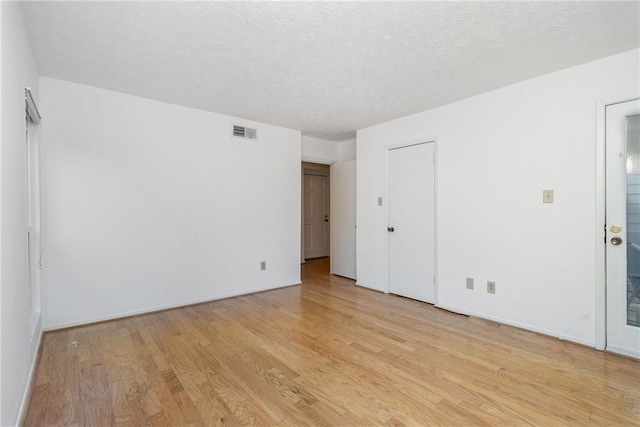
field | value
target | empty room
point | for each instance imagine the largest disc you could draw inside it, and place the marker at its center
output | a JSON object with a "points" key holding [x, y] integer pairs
{"points": [[319, 213]]}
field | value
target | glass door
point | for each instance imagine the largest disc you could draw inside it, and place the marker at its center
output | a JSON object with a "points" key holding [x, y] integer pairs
{"points": [[623, 227]]}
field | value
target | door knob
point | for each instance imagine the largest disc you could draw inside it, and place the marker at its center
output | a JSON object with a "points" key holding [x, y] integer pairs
{"points": [[391, 229], [616, 240]]}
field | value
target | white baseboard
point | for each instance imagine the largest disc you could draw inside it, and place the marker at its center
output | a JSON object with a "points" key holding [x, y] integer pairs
{"points": [[623, 351], [368, 287], [342, 275], [26, 396], [148, 310], [518, 325]]}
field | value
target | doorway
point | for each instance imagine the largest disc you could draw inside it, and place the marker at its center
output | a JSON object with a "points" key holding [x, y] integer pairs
{"points": [[315, 210], [411, 239], [622, 227]]}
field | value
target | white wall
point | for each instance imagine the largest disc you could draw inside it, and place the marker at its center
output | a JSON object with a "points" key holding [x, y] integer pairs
{"points": [[347, 150], [496, 152], [327, 152], [150, 205], [318, 150], [18, 346], [1, 141]]}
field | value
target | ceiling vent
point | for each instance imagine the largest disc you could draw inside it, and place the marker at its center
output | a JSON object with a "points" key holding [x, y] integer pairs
{"points": [[246, 133]]}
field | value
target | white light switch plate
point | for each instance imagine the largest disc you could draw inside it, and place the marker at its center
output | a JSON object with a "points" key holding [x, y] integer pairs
{"points": [[547, 196], [469, 282]]}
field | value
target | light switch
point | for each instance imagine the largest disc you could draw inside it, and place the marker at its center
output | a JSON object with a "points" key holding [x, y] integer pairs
{"points": [[379, 201], [469, 282], [547, 196], [491, 287]]}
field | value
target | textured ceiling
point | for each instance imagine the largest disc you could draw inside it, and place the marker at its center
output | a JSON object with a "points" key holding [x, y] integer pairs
{"points": [[326, 68]]}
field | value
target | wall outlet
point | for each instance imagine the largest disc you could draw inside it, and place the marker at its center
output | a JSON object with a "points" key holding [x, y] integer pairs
{"points": [[491, 287], [469, 282], [263, 265]]}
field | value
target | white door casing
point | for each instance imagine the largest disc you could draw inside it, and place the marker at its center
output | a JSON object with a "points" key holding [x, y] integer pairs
{"points": [[411, 242], [622, 235]]}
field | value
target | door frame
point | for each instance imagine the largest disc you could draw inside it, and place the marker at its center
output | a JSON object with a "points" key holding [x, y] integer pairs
{"points": [[385, 197], [34, 207], [310, 166], [600, 234]]}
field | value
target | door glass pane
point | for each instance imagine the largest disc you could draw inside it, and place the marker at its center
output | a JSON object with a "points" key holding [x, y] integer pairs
{"points": [[633, 219]]}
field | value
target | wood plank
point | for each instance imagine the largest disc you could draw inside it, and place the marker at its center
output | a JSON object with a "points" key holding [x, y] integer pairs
{"points": [[325, 353]]}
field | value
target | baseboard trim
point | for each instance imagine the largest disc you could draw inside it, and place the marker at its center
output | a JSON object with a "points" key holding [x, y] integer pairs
{"points": [[148, 310], [26, 397], [369, 287], [542, 331], [342, 275], [623, 351]]}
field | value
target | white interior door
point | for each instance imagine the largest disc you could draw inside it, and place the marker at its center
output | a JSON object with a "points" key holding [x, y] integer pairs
{"points": [[411, 222], [316, 216], [623, 227], [343, 219]]}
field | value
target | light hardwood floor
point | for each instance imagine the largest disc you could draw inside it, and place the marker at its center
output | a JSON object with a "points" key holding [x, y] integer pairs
{"points": [[324, 353]]}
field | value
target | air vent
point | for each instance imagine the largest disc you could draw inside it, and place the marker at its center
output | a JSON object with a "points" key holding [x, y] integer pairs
{"points": [[246, 133]]}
